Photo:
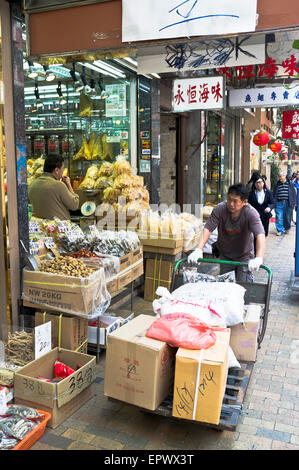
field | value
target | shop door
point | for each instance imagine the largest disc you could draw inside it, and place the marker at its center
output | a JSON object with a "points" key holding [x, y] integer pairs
{"points": [[168, 149], [213, 160]]}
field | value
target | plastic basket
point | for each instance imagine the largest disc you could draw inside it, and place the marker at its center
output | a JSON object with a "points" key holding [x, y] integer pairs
{"points": [[35, 434]]}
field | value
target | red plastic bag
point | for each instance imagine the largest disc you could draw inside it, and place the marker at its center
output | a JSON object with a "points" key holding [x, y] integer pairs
{"points": [[183, 331], [61, 370]]}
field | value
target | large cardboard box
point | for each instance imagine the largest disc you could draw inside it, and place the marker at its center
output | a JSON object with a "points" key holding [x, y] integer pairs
{"points": [[60, 399], [139, 370], [157, 273], [158, 240], [67, 332], [244, 336], [201, 400], [130, 274], [63, 293]]}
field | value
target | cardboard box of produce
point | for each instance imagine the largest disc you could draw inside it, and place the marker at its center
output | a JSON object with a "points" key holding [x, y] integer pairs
{"points": [[60, 399], [205, 405], [243, 338], [157, 240], [139, 370], [67, 332], [157, 273], [62, 293]]}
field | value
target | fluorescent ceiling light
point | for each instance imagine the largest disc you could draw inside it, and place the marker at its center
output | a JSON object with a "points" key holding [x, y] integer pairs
{"points": [[97, 69], [126, 64], [132, 61], [109, 68]]}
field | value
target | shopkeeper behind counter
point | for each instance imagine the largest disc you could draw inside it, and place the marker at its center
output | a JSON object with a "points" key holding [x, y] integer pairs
{"points": [[52, 195]]}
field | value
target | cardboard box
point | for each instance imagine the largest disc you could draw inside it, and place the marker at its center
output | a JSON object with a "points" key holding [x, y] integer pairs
{"points": [[60, 399], [62, 293], [108, 323], [67, 332], [157, 240], [205, 406], [130, 274], [139, 370], [244, 336], [163, 251], [157, 273], [136, 255]]}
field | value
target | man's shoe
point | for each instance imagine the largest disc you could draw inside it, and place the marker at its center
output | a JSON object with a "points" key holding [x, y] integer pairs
{"points": [[279, 234], [286, 231]]}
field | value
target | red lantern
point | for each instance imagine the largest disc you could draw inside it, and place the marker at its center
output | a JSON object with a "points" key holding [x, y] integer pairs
{"points": [[261, 139], [276, 147]]}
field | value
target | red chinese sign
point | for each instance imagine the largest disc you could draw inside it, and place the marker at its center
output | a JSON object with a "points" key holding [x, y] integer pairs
{"points": [[290, 124], [197, 93], [269, 69]]}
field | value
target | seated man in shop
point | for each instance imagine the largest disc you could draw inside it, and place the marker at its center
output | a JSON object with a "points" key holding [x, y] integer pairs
{"points": [[52, 195], [238, 223]]}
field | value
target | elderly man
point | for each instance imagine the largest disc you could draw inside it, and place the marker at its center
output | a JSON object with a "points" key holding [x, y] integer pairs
{"points": [[284, 195], [52, 195]]}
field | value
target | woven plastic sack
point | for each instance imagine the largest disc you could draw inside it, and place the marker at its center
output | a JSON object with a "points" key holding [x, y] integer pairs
{"points": [[183, 331]]}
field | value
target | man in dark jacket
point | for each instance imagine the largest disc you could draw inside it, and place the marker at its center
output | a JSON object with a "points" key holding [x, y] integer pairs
{"points": [[284, 195]]}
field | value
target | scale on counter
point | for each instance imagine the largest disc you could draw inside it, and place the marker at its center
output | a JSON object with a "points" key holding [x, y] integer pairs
{"points": [[88, 208]]}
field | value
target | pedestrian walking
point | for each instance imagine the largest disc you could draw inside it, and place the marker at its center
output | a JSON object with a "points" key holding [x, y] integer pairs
{"points": [[262, 200], [284, 194]]}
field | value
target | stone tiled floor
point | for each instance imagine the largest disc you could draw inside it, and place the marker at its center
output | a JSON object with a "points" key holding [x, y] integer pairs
{"points": [[270, 415]]}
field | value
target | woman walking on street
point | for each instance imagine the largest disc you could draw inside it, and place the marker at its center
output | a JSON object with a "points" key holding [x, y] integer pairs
{"points": [[262, 200]]}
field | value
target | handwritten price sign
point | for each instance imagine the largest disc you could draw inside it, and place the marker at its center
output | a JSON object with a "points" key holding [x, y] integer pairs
{"points": [[43, 342]]}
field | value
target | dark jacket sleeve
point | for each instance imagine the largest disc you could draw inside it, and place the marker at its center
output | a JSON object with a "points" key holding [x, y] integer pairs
{"points": [[275, 194], [292, 195], [271, 202]]}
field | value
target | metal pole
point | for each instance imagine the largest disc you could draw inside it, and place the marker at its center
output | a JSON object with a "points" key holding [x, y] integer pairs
{"points": [[290, 152]]}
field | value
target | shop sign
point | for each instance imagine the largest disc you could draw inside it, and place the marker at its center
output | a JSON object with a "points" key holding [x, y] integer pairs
{"points": [[287, 67], [264, 97], [228, 52], [42, 338], [174, 19], [190, 94], [290, 124]]}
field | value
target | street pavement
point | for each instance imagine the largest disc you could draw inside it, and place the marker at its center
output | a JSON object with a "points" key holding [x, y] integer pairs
{"points": [[270, 416]]}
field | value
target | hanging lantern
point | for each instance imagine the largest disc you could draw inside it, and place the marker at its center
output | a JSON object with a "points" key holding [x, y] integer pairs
{"points": [[276, 147], [261, 139]]}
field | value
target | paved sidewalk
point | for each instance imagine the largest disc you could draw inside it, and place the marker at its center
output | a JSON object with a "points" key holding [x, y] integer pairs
{"points": [[270, 416]]}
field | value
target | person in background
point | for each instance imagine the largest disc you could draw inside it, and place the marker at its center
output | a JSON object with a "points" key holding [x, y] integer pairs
{"points": [[238, 223], [254, 175], [296, 181], [285, 198], [52, 195], [265, 179], [262, 200]]}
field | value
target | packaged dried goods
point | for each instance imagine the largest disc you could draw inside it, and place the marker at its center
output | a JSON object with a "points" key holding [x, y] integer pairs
{"points": [[111, 195], [92, 172], [121, 167], [103, 182], [106, 169], [23, 411], [19, 347], [107, 153], [16, 427]]}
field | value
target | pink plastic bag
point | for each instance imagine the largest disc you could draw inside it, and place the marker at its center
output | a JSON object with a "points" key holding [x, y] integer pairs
{"points": [[183, 331]]}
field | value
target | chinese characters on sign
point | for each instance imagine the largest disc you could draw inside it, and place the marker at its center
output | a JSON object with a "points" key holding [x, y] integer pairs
{"points": [[264, 97], [290, 124], [197, 93], [267, 70], [185, 18]]}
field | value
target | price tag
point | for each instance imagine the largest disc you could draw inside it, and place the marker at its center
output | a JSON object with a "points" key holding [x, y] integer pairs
{"points": [[43, 341], [3, 405]]}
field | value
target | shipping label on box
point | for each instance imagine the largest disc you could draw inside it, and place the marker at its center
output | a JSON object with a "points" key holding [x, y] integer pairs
{"points": [[139, 370], [200, 381]]}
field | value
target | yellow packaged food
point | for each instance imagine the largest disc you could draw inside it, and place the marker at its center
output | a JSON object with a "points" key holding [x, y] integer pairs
{"points": [[111, 195], [87, 183], [85, 106], [106, 169], [122, 181], [103, 182], [121, 167], [92, 172]]}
